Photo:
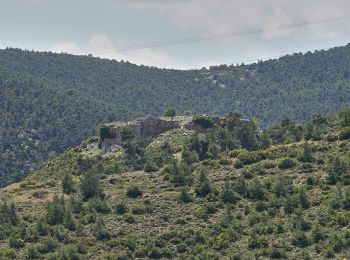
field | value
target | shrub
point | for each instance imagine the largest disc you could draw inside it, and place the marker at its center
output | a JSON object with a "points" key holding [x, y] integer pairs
{"points": [[8, 214], [133, 192], [306, 155], [286, 163], [100, 231], [238, 164], [344, 133], [213, 151], [69, 221], [150, 166], [129, 218], [331, 137], [235, 153], [185, 196], [203, 121], [7, 253], [41, 228], [113, 167], [203, 187], [121, 208], [247, 157], [227, 194], [255, 190], [300, 239], [101, 206], [257, 241], [55, 211], [15, 241], [48, 245], [317, 234], [32, 253]]}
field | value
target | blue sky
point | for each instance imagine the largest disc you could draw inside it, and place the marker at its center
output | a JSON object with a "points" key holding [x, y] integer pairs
{"points": [[99, 27]]}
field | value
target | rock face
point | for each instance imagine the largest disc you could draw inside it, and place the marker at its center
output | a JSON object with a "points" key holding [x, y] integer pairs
{"points": [[112, 134]]}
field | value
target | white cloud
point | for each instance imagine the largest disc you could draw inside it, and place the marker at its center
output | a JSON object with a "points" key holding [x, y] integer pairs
{"points": [[208, 16], [101, 46], [66, 47]]}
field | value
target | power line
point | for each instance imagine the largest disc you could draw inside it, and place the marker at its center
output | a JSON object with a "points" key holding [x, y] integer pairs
{"points": [[208, 37]]}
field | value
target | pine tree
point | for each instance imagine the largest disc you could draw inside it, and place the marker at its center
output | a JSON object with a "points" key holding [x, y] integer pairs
{"points": [[306, 155], [67, 183], [227, 194], [203, 187], [90, 184], [55, 211]]}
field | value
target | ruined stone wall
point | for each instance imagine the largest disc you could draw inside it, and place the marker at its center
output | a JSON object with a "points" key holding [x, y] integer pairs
{"points": [[140, 128], [108, 145], [154, 126]]}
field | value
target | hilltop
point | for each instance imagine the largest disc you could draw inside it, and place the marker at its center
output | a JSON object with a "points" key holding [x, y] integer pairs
{"points": [[231, 190], [52, 102]]}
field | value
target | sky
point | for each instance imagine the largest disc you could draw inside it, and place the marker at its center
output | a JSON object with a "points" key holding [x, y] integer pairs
{"points": [[104, 28]]}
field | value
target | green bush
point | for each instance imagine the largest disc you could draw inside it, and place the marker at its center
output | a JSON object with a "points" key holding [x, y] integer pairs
{"points": [[247, 157], [55, 211], [133, 192], [300, 239], [99, 205], [129, 218], [203, 121], [344, 133], [257, 241], [48, 245], [8, 214], [185, 196], [7, 253], [235, 153], [101, 233], [15, 242], [32, 253], [203, 187], [331, 137], [286, 163], [150, 166], [121, 208]]}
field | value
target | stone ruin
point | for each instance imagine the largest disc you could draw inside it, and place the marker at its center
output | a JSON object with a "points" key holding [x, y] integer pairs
{"points": [[111, 134]]}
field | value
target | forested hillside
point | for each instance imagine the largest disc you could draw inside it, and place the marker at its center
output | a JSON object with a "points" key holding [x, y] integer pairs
{"points": [[57, 99], [39, 119], [229, 192]]}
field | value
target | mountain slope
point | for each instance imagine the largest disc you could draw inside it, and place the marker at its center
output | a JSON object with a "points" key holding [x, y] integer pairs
{"points": [[40, 118], [297, 85], [290, 200], [104, 90]]}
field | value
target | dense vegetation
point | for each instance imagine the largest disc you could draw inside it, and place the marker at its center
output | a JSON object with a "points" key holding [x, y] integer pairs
{"points": [[233, 191], [39, 119], [54, 101]]}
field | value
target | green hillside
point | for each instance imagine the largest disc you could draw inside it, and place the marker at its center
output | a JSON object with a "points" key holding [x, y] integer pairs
{"points": [[65, 96], [230, 192], [40, 118]]}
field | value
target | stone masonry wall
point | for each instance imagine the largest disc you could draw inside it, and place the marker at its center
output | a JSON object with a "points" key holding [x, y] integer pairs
{"points": [[145, 127]]}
